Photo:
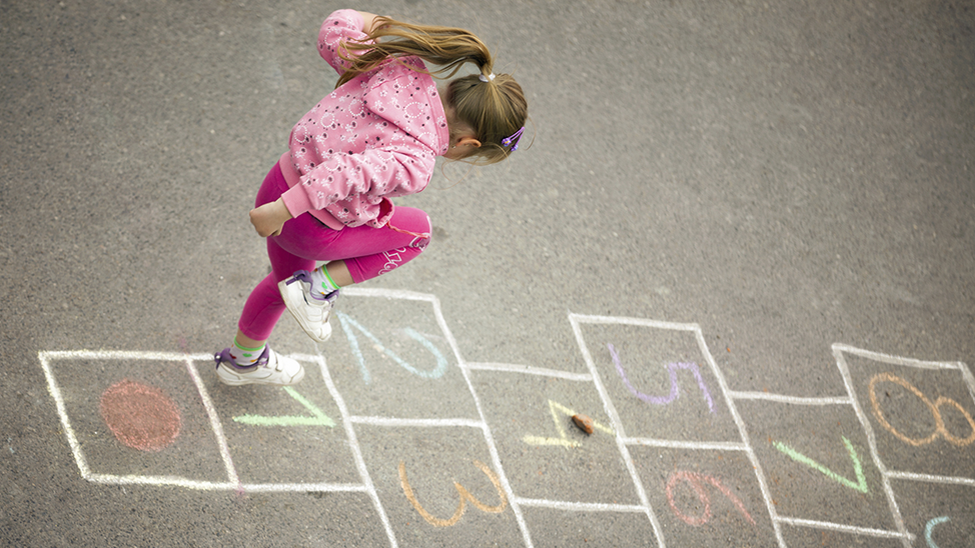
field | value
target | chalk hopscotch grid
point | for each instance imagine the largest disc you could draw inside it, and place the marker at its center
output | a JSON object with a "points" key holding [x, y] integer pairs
{"points": [[623, 442], [233, 483], [731, 396], [189, 360]]}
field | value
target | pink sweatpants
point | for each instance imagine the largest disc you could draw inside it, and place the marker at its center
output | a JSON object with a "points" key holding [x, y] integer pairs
{"points": [[367, 252]]}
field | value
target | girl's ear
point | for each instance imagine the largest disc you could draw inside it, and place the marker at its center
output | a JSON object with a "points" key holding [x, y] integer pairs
{"points": [[468, 140]]}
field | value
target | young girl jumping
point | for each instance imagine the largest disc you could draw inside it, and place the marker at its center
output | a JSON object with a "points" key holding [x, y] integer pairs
{"points": [[375, 137]]}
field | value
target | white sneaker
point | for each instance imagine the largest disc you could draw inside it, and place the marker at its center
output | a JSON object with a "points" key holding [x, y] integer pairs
{"points": [[271, 368], [310, 313]]}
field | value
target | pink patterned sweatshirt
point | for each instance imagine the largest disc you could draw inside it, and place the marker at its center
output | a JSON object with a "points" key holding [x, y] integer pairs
{"points": [[372, 139]]}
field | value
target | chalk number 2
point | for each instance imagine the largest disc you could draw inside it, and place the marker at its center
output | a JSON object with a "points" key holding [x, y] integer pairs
{"points": [[350, 327]]}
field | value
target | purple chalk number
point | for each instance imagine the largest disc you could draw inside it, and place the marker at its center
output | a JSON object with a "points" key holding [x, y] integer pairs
{"points": [[674, 387]]}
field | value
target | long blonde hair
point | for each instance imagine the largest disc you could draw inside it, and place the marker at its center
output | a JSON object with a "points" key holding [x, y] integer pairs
{"points": [[494, 110]]}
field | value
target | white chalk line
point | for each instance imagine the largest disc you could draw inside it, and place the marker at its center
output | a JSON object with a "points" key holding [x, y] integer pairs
{"points": [[931, 478], [306, 487], [841, 364], [743, 432], [162, 481], [796, 400], [620, 320], [175, 481], [496, 457], [215, 423], [357, 457], [582, 506], [52, 387], [529, 370], [420, 423], [696, 445], [829, 526], [121, 355], [894, 360], [575, 321], [969, 379]]}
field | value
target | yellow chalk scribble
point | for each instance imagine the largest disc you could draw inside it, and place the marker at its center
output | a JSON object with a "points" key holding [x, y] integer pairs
{"points": [[563, 440]]}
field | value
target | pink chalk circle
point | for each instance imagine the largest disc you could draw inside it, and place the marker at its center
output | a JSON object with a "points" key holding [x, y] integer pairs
{"points": [[141, 417]]}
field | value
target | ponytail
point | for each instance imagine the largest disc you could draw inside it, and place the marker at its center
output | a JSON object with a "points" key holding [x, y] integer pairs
{"points": [[493, 106]]}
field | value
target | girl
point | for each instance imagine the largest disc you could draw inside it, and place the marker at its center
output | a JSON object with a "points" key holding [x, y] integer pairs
{"points": [[375, 137]]}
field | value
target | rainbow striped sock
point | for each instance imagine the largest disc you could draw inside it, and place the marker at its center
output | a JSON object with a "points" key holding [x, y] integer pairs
{"points": [[321, 283], [245, 357]]}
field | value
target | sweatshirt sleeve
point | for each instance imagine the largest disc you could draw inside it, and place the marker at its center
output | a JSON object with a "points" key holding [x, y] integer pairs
{"points": [[341, 26], [368, 175]]}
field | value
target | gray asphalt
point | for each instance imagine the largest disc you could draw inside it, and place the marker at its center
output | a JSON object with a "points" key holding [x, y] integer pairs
{"points": [[742, 241]]}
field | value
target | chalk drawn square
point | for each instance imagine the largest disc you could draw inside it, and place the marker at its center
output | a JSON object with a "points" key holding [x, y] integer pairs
{"points": [[291, 520], [545, 456], [391, 355], [945, 513], [419, 468], [79, 380], [659, 378], [285, 435], [817, 464], [704, 497], [816, 537], [558, 528], [919, 413]]}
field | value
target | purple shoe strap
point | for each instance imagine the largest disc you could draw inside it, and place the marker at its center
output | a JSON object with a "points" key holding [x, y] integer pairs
{"points": [[224, 357], [299, 276], [265, 356], [330, 297], [304, 276]]}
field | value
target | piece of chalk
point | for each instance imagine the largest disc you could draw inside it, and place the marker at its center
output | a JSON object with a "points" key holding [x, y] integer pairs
{"points": [[583, 422]]}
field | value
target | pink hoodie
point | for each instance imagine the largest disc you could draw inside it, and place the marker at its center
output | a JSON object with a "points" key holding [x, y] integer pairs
{"points": [[374, 138]]}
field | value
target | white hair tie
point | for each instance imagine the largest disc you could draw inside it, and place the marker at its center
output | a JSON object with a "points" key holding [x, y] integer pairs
{"points": [[485, 79]]}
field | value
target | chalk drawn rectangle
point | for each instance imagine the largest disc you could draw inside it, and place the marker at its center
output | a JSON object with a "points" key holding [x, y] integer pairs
{"points": [[705, 497], [392, 355], [434, 460], [545, 456], [280, 436], [660, 379], [943, 512], [817, 464], [917, 414], [77, 380]]}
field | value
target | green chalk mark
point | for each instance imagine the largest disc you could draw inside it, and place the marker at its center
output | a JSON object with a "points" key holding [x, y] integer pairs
{"points": [[319, 418], [861, 483]]}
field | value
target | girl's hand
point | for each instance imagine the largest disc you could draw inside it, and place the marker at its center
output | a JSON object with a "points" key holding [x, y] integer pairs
{"points": [[269, 218]]}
